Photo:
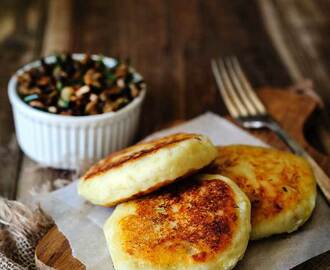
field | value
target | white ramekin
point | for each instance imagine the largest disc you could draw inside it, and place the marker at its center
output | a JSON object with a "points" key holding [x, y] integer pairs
{"points": [[68, 142]]}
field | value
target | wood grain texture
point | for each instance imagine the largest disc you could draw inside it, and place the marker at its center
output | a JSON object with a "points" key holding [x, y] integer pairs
{"points": [[21, 24], [174, 55], [62, 258], [57, 34], [299, 30], [290, 109], [303, 27]]}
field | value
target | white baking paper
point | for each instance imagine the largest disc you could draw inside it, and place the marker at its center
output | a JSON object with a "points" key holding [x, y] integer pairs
{"points": [[82, 222]]}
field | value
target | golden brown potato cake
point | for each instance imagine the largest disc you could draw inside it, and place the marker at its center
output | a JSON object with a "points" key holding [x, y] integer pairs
{"points": [[280, 186], [145, 167], [202, 222]]}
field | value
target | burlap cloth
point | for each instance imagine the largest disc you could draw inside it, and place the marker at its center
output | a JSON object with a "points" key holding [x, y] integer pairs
{"points": [[22, 226], [20, 230]]}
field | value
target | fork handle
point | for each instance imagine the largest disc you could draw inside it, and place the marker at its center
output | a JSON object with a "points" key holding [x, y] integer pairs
{"points": [[322, 179]]}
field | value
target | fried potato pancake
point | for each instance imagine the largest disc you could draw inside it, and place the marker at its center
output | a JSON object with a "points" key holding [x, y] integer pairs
{"points": [[145, 167], [202, 222], [280, 186]]}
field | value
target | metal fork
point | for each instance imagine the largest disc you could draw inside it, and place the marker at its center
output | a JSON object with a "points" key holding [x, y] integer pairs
{"points": [[245, 106]]}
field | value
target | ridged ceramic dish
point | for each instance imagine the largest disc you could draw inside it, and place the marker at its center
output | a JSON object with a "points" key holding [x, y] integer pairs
{"points": [[68, 142]]}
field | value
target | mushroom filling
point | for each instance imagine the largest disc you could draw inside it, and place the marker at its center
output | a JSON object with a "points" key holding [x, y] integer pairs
{"points": [[78, 87]]}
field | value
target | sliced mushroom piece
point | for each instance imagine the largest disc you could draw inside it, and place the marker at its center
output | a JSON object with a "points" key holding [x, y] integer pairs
{"points": [[120, 102], [24, 90], [37, 104], [24, 78], [134, 90], [43, 81], [82, 90], [92, 77], [109, 107], [91, 108], [113, 90], [121, 70]]}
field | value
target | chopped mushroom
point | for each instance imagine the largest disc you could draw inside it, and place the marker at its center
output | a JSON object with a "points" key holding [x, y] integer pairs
{"points": [[82, 90], [71, 87], [37, 104]]}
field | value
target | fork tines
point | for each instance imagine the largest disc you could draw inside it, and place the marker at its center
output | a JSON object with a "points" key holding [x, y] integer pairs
{"points": [[235, 89]]}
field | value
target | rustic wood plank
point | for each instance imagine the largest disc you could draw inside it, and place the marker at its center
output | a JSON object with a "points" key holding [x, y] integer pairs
{"points": [[21, 23], [300, 30], [60, 260], [174, 55], [57, 36]]}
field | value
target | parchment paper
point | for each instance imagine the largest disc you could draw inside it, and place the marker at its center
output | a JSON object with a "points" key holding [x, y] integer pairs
{"points": [[82, 222]]}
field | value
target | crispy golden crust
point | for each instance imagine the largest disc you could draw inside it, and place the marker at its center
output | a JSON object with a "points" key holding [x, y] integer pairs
{"points": [[277, 184], [203, 222], [145, 167], [201, 213], [135, 152]]}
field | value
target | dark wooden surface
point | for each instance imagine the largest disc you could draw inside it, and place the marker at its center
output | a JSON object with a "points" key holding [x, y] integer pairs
{"points": [[170, 42]]}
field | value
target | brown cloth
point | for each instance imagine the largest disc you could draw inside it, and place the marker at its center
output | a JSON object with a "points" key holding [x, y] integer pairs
{"points": [[20, 230]]}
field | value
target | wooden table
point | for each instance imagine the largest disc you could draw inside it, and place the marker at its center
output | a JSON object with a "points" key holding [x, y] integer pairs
{"points": [[280, 42]]}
